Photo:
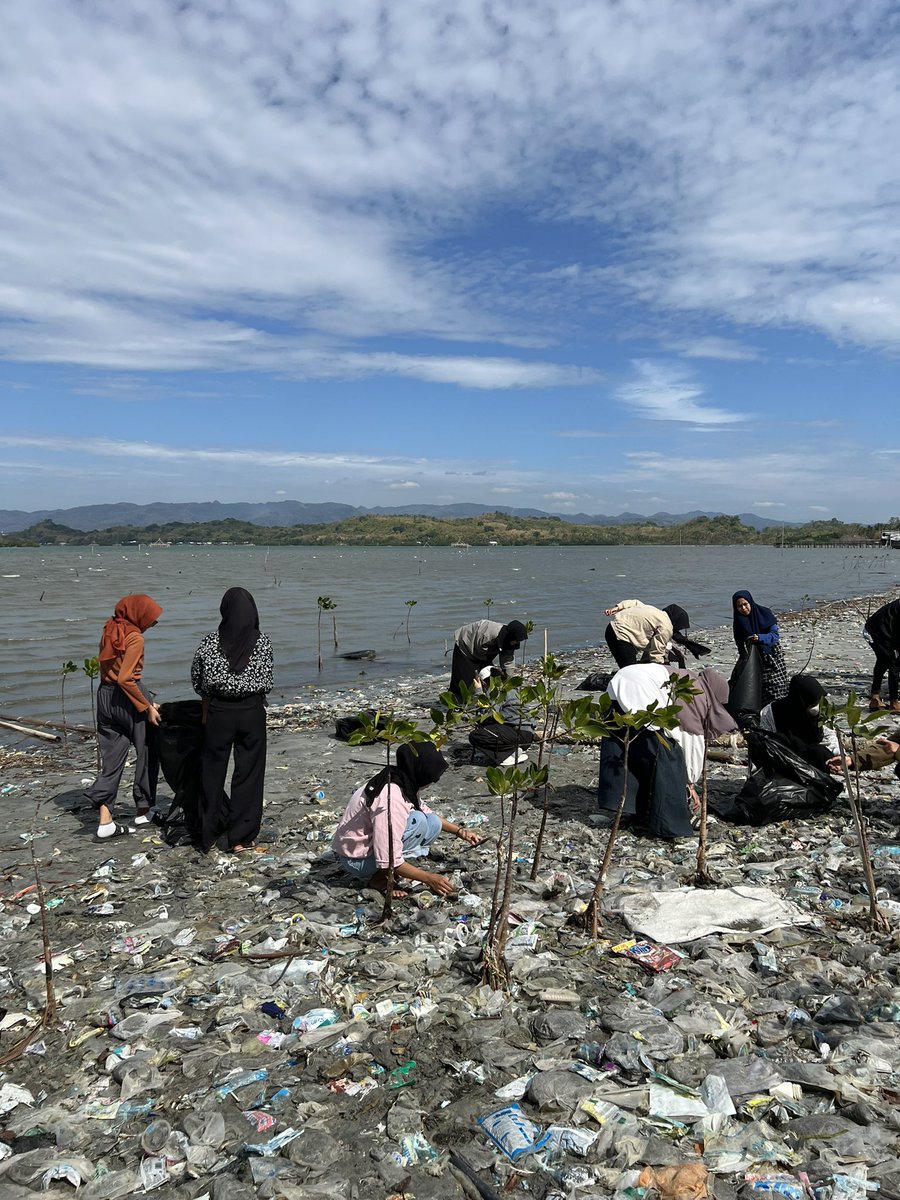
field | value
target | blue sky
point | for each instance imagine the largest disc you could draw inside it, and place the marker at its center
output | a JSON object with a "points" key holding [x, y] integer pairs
{"points": [[585, 257]]}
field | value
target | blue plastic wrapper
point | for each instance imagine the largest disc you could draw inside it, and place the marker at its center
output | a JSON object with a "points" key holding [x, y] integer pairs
{"points": [[512, 1132]]}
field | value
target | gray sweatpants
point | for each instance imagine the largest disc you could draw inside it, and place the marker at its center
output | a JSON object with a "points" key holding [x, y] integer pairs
{"points": [[120, 726]]}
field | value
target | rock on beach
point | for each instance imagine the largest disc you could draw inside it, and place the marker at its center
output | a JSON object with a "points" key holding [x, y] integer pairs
{"points": [[176, 1061]]}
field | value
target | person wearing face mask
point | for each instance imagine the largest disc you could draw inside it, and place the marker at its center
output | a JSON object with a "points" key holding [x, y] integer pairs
{"points": [[477, 644], [796, 721]]}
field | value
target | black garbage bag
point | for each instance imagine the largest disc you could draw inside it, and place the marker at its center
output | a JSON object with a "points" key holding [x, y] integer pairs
{"points": [[345, 727], [597, 681], [782, 787], [180, 743], [745, 688]]}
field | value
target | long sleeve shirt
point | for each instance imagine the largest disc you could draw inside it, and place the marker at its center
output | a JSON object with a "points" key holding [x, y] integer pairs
{"points": [[363, 829], [479, 640], [211, 675], [644, 627], [126, 671]]}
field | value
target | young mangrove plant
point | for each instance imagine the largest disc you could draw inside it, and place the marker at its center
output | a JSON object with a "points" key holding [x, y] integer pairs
{"points": [[507, 783], [325, 604], [853, 725], [391, 731], [91, 668], [410, 605], [68, 668], [588, 719]]}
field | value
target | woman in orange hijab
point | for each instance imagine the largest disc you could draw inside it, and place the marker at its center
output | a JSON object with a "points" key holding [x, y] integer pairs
{"points": [[124, 711]]}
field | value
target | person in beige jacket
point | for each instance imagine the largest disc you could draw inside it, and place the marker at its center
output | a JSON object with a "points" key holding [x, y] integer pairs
{"points": [[639, 632]]}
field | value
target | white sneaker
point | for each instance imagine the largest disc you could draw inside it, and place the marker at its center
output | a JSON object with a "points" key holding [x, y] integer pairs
{"points": [[514, 759]]}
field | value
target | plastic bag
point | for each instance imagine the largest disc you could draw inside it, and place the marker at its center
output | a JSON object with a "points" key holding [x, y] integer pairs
{"points": [[179, 742], [745, 688], [783, 787]]}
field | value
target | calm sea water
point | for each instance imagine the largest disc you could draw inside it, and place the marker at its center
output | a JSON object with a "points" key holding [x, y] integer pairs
{"points": [[54, 602]]}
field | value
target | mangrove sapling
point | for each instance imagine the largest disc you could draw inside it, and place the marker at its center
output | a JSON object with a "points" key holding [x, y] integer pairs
{"points": [[68, 668], [596, 719], [391, 731], [544, 695], [487, 604], [91, 668], [49, 1011], [326, 604], [505, 782], [410, 605], [865, 724]]}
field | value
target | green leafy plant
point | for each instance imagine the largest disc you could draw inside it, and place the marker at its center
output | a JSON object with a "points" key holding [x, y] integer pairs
{"points": [[859, 724], [91, 668], [390, 731], [507, 783], [325, 604], [595, 719], [68, 668], [487, 604], [410, 605]]}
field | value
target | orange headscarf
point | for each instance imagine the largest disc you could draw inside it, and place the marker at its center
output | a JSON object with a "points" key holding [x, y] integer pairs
{"points": [[133, 614]]}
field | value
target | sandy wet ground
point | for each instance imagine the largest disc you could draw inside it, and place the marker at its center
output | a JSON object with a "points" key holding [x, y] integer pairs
{"points": [[163, 939]]}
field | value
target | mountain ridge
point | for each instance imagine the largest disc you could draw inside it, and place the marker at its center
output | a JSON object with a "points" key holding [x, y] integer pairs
{"points": [[285, 513]]}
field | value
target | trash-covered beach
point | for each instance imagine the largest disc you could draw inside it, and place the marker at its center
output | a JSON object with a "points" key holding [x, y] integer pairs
{"points": [[234, 1027]]}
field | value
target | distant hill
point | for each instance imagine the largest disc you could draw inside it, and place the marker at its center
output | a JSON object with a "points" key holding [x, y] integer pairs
{"points": [[284, 514]]}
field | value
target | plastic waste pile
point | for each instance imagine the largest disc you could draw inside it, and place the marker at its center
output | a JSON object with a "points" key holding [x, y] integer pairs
{"points": [[244, 1027]]}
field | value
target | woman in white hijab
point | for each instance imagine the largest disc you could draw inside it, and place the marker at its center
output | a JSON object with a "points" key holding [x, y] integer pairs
{"points": [[656, 784]]}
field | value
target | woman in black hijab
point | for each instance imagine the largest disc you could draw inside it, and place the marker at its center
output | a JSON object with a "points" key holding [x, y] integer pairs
{"points": [[232, 671], [386, 821], [796, 721]]}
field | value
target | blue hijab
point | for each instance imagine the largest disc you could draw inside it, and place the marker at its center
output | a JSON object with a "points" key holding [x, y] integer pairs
{"points": [[758, 620]]}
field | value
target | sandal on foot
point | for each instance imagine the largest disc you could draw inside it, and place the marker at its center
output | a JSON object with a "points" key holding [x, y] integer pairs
{"points": [[119, 831], [145, 816]]}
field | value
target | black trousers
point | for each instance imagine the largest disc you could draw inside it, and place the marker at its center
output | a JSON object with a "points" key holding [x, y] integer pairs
{"points": [[463, 670], [655, 784], [887, 659], [119, 727], [238, 726], [624, 653]]}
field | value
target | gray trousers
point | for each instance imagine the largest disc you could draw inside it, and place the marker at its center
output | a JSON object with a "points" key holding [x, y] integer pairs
{"points": [[119, 727]]}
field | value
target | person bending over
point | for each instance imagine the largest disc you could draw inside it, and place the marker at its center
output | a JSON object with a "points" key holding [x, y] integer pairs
{"points": [[477, 644], [640, 633]]}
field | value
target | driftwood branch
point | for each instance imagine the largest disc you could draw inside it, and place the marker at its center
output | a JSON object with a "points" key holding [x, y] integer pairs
{"points": [[35, 733], [62, 726]]}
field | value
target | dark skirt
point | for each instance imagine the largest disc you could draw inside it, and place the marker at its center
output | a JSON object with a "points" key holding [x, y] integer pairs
{"points": [[656, 796]]}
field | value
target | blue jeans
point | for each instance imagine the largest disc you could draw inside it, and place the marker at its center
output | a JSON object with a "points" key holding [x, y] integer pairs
{"points": [[421, 830]]}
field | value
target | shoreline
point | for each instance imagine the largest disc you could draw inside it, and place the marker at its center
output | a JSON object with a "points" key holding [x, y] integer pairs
{"points": [[158, 937]]}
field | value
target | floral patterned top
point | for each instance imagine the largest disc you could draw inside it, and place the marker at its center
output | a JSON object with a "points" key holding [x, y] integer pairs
{"points": [[211, 675]]}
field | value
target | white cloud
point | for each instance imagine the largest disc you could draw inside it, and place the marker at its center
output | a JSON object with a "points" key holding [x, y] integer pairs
{"points": [[181, 180], [663, 392], [724, 349], [405, 483], [767, 504], [560, 496]]}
